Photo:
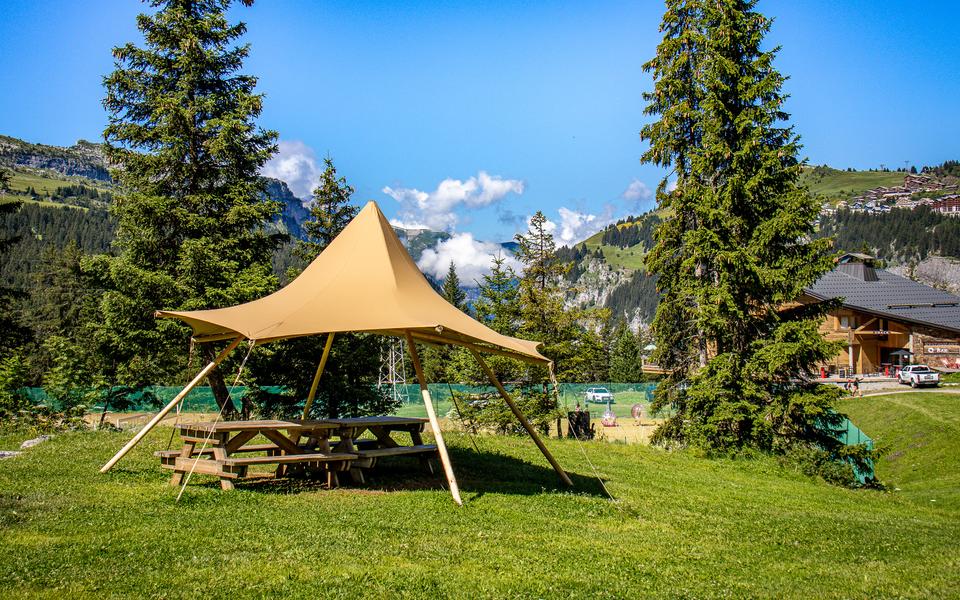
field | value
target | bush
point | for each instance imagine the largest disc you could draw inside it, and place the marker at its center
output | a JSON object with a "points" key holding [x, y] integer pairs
{"points": [[839, 467], [17, 412]]}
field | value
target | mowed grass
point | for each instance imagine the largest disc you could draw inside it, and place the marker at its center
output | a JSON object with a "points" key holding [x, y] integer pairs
{"points": [[21, 180], [837, 184], [922, 431], [682, 525]]}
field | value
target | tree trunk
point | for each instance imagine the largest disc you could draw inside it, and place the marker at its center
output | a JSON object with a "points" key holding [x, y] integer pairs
{"points": [[220, 392]]}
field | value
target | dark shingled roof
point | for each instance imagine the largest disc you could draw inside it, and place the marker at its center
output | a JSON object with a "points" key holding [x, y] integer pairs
{"points": [[890, 296]]}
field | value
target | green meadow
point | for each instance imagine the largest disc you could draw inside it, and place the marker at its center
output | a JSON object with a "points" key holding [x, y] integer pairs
{"points": [[681, 524]]}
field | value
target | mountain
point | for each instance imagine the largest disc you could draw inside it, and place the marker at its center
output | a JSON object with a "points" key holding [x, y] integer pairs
{"points": [[607, 270], [39, 171], [83, 160]]}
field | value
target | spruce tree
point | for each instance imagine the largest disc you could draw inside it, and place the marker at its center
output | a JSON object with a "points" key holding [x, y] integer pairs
{"points": [[12, 333], [736, 248], [498, 304], [567, 333], [452, 292], [330, 212], [192, 217], [625, 356], [498, 307]]}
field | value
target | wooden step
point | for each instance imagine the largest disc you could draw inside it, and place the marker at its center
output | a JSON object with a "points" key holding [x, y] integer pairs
{"points": [[398, 451], [288, 458]]}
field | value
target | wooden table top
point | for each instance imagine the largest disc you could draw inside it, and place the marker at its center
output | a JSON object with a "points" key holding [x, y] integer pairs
{"points": [[298, 424], [378, 421], [221, 426]]}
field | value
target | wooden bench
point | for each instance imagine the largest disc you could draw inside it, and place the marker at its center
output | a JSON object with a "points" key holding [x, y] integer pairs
{"points": [[167, 457], [397, 451], [318, 457], [367, 457]]}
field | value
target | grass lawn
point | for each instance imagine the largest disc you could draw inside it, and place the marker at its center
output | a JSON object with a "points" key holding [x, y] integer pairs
{"points": [[922, 430], [836, 184], [682, 526]]}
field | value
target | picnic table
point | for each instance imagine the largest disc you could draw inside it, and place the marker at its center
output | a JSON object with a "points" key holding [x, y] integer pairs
{"points": [[307, 447]]}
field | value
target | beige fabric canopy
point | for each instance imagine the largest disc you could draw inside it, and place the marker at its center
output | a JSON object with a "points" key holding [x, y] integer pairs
{"points": [[365, 280]]}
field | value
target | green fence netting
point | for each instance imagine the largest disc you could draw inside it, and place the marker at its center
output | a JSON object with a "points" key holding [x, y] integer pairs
{"points": [[626, 395]]}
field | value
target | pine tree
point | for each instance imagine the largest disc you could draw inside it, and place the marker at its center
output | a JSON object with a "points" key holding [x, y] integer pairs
{"points": [[737, 247], [330, 212], [498, 307], [498, 304], [191, 217], [452, 292], [12, 333], [625, 356], [567, 333]]}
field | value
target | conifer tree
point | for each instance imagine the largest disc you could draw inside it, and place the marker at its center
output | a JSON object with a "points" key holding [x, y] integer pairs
{"points": [[330, 212], [12, 333], [498, 307], [452, 292], [566, 333], [498, 304], [191, 214], [737, 247], [625, 356]]}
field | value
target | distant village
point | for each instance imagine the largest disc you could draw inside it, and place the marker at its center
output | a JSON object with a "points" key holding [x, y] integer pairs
{"points": [[917, 190]]}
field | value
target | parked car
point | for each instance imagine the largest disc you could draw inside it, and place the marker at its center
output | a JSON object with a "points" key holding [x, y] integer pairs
{"points": [[917, 375], [599, 395]]}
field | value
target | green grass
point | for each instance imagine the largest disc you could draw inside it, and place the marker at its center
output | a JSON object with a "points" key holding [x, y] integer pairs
{"points": [[682, 526], [834, 184], [623, 402], [922, 430], [46, 203]]}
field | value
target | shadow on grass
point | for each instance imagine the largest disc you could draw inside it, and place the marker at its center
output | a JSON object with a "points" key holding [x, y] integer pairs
{"points": [[477, 473]]}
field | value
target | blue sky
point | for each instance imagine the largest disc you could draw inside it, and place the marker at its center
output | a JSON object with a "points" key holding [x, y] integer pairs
{"points": [[470, 115]]}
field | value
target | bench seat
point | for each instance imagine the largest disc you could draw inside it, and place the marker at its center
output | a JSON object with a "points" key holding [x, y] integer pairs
{"points": [[209, 450], [398, 451], [288, 459]]}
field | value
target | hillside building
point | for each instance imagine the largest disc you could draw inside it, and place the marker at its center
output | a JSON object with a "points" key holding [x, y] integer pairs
{"points": [[882, 313]]}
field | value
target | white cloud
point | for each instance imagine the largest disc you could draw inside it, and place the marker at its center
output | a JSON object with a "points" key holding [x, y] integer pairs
{"points": [[437, 209], [671, 185], [637, 192], [296, 164], [576, 226], [471, 257]]}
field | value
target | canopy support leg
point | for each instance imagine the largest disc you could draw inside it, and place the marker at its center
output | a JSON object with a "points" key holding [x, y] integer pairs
{"points": [[163, 412], [520, 417], [316, 377], [434, 423]]}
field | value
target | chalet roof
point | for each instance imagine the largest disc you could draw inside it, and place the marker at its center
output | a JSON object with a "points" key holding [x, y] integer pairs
{"points": [[890, 296]]}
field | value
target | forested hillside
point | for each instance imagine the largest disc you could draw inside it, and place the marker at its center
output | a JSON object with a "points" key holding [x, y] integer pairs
{"points": [[898, 236]]}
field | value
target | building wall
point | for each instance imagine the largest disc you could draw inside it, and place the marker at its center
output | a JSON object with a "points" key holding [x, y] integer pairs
{"points": [[868, 341], [936, 350]]}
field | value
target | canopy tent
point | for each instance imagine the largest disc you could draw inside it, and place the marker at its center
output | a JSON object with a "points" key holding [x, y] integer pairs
{"points": [[364, 281]]}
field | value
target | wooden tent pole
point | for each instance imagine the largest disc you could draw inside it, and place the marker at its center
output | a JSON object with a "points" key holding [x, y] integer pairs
{"points": [[316, 377], [434, 423], [520, 417], [163, 412]]}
